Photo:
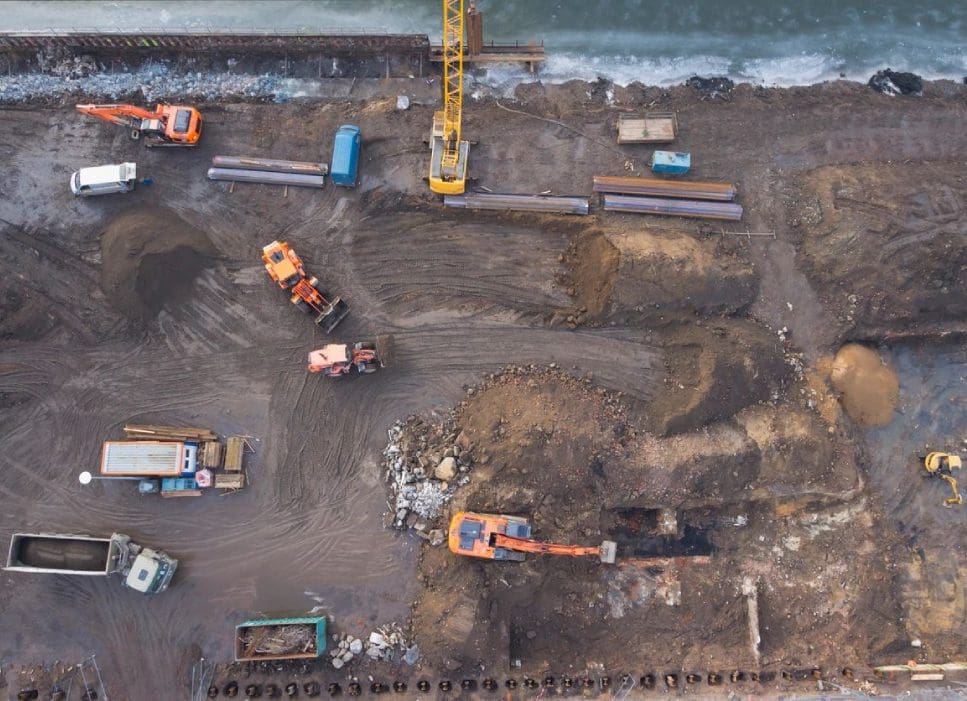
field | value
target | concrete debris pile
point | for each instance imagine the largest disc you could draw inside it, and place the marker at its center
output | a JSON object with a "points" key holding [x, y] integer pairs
{"points": [[387, 643], [711, 88], [425, 462]]}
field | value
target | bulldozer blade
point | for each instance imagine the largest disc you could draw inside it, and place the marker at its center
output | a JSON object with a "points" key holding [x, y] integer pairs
{"points": [[609, 551], [331, 317], [385, 347]]}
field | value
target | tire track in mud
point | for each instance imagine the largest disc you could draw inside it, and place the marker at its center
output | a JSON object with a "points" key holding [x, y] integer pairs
{"points": [[412, 263]]}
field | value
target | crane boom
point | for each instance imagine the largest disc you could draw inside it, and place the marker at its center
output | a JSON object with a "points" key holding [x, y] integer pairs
{"points": [[448, 153]]}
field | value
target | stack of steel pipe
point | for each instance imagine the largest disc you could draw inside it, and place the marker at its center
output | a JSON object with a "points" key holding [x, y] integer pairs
{"points": [[270, 164], [521, 203], [722, 192], [268, 171], [683, 208]]}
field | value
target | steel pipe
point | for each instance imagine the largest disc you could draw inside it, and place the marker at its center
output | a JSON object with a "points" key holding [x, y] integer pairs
{"points": [[267, 178], [681, 208], [521, 203]]}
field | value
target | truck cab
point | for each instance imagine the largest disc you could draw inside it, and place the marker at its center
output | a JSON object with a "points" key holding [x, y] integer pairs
{"points": [[150, 572]]}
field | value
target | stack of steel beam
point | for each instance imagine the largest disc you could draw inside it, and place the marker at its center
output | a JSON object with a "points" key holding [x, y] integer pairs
{"points": [[521, 203], [270, 164], [722, 192], [683, 208]]}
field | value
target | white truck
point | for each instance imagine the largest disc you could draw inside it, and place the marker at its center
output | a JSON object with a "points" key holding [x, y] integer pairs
{"points": [[142, 569]]}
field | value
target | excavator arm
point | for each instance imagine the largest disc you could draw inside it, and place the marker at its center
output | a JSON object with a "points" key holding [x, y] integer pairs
{"points": [[125, 115], [956, 499], [522, 545]]}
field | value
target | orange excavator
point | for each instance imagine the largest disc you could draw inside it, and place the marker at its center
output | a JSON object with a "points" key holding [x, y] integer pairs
{"points": [[168, 125], [285, 267], [500, 537]]}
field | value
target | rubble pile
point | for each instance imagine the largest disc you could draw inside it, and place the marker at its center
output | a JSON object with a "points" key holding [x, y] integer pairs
{"points": [[425, 462], [387, 643], [81, 75]]}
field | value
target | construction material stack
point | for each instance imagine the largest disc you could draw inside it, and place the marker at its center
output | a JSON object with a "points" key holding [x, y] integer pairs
{"points": [[268, 171], [170, 460], [671, 197]]}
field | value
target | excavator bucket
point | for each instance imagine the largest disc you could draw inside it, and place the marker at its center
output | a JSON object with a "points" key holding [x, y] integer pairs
{"points": [[609, 552], [331, 315], [385, 347]]}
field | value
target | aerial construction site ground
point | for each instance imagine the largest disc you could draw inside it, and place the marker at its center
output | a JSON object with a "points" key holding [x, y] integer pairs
{"points": [[600, 373]]}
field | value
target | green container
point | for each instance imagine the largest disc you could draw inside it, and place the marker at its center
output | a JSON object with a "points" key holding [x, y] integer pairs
{"points": [[249, 630]]}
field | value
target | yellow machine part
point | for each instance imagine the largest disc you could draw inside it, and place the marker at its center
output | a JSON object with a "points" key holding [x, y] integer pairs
{"points": [[448, 153], [939, 464]]}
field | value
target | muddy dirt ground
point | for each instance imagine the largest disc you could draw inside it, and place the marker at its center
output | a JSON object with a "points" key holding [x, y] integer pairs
{"points": [[689, 379]]}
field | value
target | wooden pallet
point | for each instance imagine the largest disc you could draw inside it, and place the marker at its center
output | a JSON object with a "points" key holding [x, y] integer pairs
{"points": [[211, 454], [652, 128], [234, 452], [226, 481], [181, 493]]}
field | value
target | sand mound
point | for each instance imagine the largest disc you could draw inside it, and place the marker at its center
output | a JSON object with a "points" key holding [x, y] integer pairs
{"points": [[150, 259], [654, 277], [868, 388]]}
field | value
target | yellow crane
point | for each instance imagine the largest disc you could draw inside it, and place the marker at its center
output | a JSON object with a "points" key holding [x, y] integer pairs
{"points": [[448, 154]]}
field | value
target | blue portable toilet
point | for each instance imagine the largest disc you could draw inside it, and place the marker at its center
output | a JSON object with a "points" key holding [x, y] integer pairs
{"points": [[345, 156], [671, 162]]}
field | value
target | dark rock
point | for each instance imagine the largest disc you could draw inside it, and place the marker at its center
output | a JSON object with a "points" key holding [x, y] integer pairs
{"points": [[890, 82], [711, 87]]}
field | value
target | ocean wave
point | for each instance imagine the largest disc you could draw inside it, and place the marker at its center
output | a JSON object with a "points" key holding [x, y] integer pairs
{"points": [[778, 71]]}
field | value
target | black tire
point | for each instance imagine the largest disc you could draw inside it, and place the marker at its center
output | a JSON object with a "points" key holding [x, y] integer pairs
{"points": [[303, 306]]}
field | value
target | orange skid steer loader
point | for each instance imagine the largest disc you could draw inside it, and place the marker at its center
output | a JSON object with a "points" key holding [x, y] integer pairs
{"points": [[285, 267]]}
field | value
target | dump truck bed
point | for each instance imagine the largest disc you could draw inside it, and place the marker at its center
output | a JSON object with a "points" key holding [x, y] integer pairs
{"points": [[61, 554]]}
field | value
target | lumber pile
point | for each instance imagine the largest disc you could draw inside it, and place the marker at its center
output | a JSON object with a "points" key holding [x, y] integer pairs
{"points": [[169, 433]]}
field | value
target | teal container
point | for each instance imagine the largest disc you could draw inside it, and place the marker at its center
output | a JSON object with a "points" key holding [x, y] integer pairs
{"points": [[319, 622], [671, 162], [345, 156]]}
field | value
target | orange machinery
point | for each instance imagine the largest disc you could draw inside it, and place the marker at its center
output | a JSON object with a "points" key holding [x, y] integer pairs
{"points": [[285, 267], [168, 125], [339, 359], [500, 537]]}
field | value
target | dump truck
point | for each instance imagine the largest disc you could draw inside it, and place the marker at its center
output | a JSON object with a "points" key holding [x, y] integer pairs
{"points": [[301, 638], [142, 569]]}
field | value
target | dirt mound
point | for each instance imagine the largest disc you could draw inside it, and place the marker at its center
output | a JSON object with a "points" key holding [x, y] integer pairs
{"points": [[868, 388], [883, 244], [653, 277], [713, 372], [150, 259]]}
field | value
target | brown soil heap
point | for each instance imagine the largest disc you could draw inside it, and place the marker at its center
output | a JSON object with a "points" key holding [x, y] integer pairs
{"points": [[150, 259]]}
